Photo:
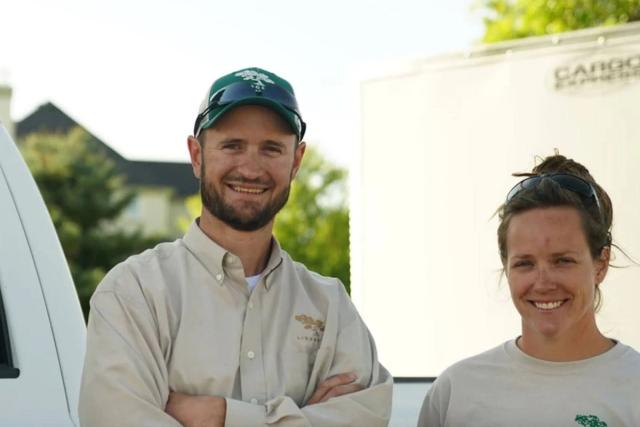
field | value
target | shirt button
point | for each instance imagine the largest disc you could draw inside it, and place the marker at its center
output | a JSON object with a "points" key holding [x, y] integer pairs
{"points": [[251, 354], [219, 277], [250, 304], [254, 401]]}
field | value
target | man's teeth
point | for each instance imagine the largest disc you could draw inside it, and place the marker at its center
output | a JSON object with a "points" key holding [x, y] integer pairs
{"points": [[248, 190], [548, 305]]}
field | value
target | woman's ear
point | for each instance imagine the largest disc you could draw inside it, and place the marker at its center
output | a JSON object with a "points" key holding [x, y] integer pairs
{"points": [[602, 264]]}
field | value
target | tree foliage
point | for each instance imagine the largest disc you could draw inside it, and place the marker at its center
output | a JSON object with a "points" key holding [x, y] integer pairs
{"points": [[84, 194], [512, 19], [314, 225]]}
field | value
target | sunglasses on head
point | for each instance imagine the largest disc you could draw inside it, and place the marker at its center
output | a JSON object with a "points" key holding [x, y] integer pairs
{"points": [[569, 182], [239, 91]]}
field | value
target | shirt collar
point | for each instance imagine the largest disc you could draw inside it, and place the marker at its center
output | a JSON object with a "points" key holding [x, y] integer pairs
{"points": [[275, 259], [211, 255]]}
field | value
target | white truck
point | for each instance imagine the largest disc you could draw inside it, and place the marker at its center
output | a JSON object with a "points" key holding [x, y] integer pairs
{"points": [[440, 139], [42, 331]]}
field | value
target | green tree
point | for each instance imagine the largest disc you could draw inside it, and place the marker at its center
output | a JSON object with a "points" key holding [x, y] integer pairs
{"points": [[84, 194], [193, 206], [512, 19], [314, 225]]}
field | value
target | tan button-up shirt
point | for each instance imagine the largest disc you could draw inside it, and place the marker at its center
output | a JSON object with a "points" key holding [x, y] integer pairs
{"points": [[180, 317]]}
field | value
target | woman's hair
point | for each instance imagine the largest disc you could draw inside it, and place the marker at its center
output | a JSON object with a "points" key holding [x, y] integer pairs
{"points": [[596, 217]]}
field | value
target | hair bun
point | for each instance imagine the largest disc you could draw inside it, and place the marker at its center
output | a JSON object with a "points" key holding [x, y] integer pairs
{"points": [[560, 164]]}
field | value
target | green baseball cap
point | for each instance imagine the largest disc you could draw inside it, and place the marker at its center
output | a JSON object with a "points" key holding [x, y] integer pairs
{"points": [[250, 86]]}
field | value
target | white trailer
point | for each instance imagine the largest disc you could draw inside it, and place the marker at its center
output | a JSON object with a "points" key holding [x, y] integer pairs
{"points": [[439, 142]]}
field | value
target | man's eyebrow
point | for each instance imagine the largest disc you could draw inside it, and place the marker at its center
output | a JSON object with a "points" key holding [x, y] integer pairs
{"points": [[275, 142], [227, 140]]}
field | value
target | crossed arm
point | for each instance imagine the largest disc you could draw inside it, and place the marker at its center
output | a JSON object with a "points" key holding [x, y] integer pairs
{"points": [[125, 381], [210, 411]]}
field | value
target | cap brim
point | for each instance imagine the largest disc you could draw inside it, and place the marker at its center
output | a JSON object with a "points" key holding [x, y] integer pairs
{"points": [[287, 115]]}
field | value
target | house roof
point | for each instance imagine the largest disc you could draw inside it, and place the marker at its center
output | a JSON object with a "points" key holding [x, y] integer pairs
{"points": [[176, 175]]}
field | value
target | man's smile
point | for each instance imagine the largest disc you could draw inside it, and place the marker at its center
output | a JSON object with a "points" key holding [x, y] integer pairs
{"points": [[246, 190]]}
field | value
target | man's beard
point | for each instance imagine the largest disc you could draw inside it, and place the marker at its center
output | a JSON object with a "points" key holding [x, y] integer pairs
{"points": [[213, 202]]}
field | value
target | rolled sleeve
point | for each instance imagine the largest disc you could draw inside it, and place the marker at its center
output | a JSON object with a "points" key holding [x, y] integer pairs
{"points": [[369, 407], [243, 414]]}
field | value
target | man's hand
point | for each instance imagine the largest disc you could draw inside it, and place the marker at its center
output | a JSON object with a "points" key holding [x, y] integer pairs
{"points": [[334, 387], [197, 411]]}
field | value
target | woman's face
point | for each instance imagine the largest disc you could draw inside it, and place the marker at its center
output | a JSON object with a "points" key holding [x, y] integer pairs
{"points": [[551, 274]]}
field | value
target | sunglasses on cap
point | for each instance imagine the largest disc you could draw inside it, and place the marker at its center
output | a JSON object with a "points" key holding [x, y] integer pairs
{"points": [[240, 91], [569, 182]]}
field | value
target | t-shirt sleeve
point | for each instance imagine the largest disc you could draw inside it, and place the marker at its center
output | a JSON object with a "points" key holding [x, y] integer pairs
{"points": [[434, 408]]}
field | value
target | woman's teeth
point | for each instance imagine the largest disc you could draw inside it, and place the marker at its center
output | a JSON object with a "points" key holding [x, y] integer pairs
{"points": [[548, 305]]}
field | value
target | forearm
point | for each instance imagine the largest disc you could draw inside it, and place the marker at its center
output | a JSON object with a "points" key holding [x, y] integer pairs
{"points": [[370, 407], [197, 411]]}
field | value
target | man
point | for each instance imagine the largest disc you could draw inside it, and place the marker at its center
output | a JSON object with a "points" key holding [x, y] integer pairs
{"points": [[221, 327]]}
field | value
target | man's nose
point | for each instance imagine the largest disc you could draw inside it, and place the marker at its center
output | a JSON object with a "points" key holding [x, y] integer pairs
{"points": [[250, 165]]}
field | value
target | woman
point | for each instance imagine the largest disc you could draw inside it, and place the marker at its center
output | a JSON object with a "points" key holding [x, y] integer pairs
{"points": [[555, 245]]}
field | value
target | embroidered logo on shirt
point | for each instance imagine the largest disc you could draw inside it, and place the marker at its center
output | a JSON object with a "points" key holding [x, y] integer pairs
{"points": [[590, 421], [316, 327]]}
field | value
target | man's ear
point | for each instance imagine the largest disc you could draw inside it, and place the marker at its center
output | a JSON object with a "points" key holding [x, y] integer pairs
{"points": [[195, 153], [297, 158]]}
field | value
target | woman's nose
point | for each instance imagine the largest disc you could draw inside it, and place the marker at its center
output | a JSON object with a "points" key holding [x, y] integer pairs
{"points": [[544, 279]]}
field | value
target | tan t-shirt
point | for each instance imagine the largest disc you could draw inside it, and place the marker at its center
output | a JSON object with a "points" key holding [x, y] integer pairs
{"points": [[180, 317], [505, 387]]}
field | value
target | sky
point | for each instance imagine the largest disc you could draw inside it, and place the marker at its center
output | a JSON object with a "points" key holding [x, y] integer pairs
{"points": [[134, 72]]}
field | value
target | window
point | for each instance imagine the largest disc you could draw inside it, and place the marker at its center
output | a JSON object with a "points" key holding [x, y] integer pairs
{"points": [[7, 370]]}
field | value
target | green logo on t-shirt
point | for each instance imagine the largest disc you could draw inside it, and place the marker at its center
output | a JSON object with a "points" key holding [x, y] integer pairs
{"points": [[590, 421]]}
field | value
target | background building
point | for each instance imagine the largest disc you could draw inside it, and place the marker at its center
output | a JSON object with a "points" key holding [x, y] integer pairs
{"points": [[160, 187]]}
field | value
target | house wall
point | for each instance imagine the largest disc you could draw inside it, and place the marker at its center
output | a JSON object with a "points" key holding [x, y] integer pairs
{"points": [[154, 211]]}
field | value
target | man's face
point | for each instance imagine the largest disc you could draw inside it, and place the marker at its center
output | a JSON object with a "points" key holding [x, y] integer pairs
{"points": [[248, 160]]}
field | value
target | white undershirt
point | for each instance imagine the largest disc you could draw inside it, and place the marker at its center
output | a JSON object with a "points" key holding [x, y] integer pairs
{"points": [[252, 281]]}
